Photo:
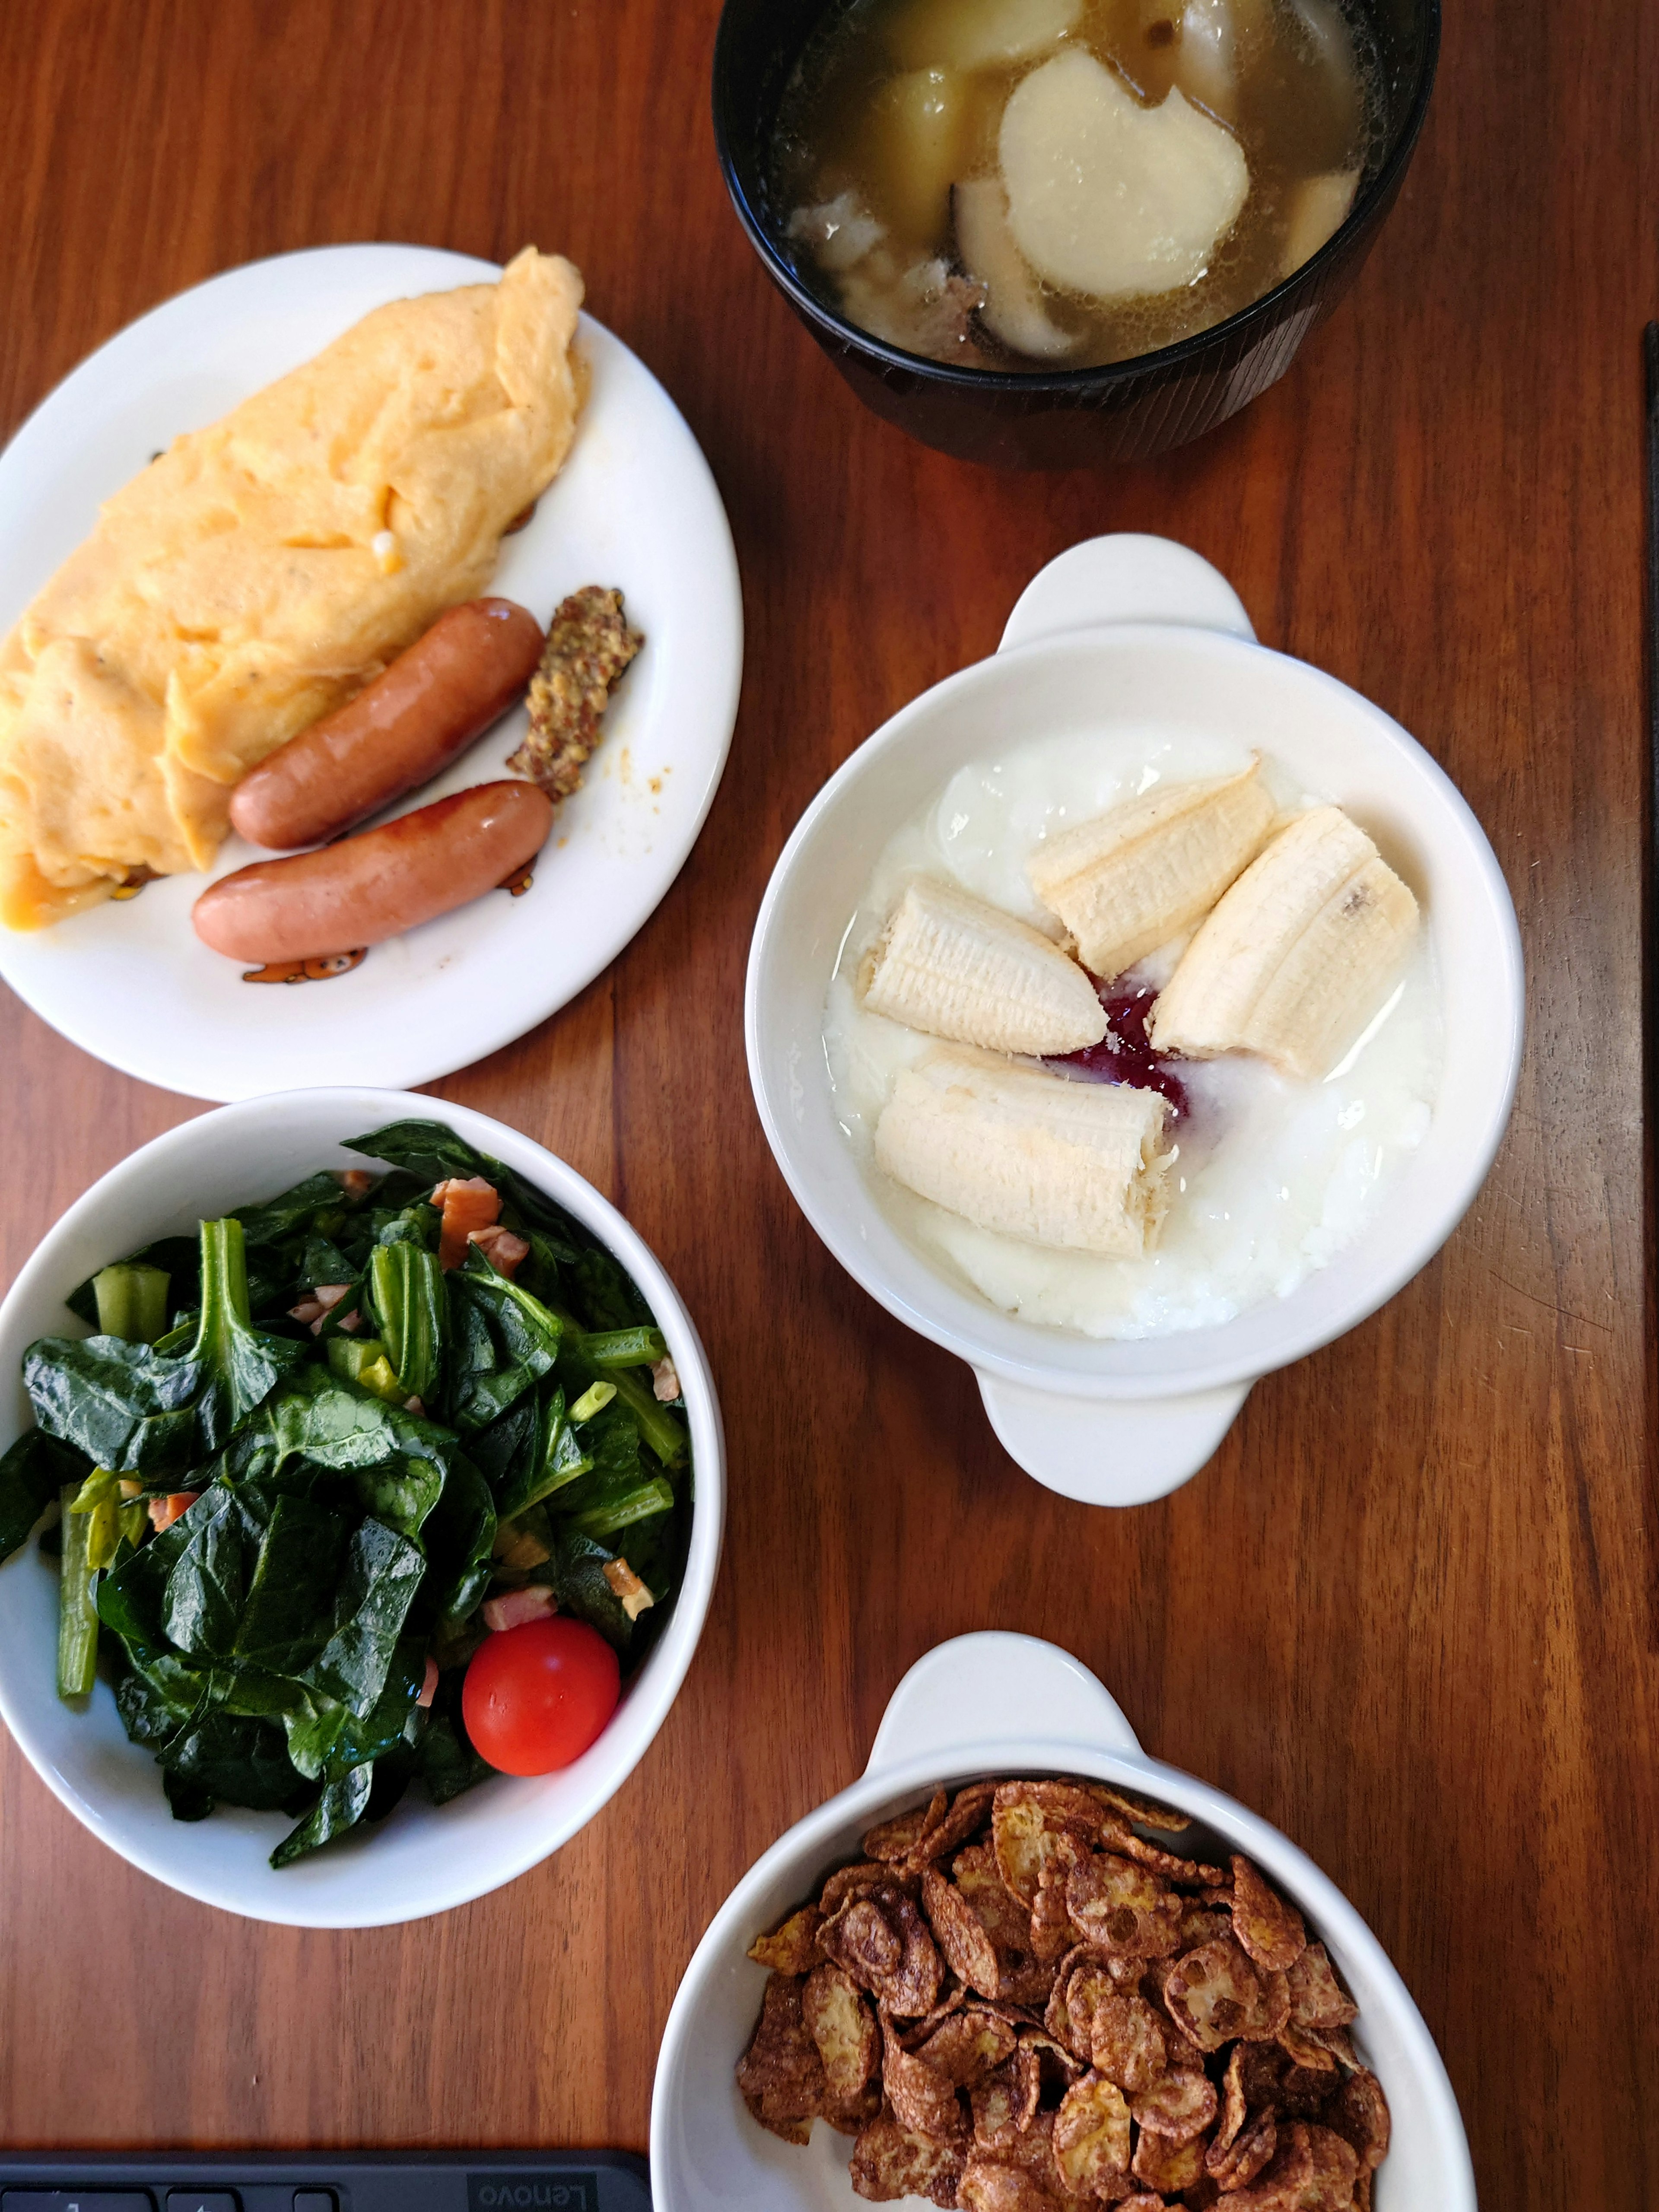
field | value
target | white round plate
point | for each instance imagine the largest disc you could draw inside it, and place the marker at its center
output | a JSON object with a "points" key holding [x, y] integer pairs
{"points": [[634, 506]]}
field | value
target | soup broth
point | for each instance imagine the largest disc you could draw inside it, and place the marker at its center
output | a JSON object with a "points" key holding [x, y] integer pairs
{"points": [[1048, 185]]}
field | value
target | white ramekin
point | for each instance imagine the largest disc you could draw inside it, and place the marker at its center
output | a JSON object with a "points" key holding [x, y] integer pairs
{"points": [[425, 1858], [997, 1705], [1131, 631]]}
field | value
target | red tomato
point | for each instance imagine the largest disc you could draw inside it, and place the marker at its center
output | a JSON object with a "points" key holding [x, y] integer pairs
{"points": [[536, 1697]]}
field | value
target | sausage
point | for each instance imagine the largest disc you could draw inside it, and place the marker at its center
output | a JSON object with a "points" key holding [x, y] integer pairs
{"points": [[380, 884], [413, 719]]}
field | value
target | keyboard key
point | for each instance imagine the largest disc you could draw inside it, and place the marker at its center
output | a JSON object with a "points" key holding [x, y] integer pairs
{"points": [[204, 2200], [78, 2200], [313, 2200]]}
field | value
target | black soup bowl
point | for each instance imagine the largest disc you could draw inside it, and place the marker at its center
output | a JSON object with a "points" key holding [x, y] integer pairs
{"points": [[1126, 411]]}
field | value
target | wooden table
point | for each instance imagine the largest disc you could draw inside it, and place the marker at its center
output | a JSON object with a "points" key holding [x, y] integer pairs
{"points": [[1411, 1614]]}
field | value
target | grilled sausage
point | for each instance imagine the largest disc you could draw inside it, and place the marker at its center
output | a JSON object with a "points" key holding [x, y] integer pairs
{"points": [[376, 886], [413, 719]]}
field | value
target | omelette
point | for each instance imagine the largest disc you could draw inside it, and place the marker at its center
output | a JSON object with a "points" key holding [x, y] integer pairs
{"points": [[260, 571]]}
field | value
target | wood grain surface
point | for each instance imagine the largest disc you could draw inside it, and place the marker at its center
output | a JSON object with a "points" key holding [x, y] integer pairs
{"points": [[1411, 1613]]}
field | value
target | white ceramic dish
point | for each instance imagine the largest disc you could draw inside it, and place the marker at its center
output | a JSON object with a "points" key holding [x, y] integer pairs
{"points": [[1000, 1704], [425, 1858], [1138, 633], [634, 506]]}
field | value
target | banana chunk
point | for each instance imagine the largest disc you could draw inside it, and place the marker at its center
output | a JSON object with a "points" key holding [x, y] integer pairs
{"points": [[1297, 957], [951, 965], [1080, 1167], [1138, 876]]}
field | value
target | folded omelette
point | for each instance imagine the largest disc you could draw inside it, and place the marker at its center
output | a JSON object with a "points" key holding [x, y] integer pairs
{"points": [[262, 571]]}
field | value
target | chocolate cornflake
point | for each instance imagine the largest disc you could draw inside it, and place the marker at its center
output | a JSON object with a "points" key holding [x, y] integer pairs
{"points": [[589, 644], [1016, 2004]]}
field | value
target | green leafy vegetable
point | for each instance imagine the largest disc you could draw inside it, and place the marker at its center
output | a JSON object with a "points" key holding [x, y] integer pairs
{"points": [[270, 1644], [133, 1300], [408, 1289], [124, 1406], [77, 1616], [32, 1473], [239, 1365], [593, 1401], [433, 1153], [340, 1806], [502, 1340], [626, 1347]]}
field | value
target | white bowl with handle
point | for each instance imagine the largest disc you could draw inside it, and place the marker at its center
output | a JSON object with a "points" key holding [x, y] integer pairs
{"points": [[423, 1858], [1141, 633], [994, 1705]]}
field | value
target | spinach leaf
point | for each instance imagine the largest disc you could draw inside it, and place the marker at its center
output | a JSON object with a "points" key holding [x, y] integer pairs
{"points": [[555, 1458], [445, 1759], [235, 1761], [123, 1405], [323, 1261], [32, 1473], [419, 1224], [340, 1806], [292, 1212], [326, 1739], [158, 1701], [132, 1596], [502, 1340], [287, 1614], [607, 1294], [576, 1575], [431, 1152], [458, 1537], [382, 1570], [501, 1447], [187, 1801], [241, 1365], [408, 1289], [201, 1600], [322, 1417]]}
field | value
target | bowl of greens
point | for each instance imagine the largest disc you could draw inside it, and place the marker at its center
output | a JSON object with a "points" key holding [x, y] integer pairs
{"points": [[342, 1445]]}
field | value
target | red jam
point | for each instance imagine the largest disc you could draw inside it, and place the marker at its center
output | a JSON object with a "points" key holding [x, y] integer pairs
{"points": [[1125, 1053]]}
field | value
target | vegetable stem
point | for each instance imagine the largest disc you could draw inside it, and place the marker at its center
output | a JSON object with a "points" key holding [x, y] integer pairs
{"points": [[407, 1288], [133, 1300], [77, 1616], [593, 1400], [626, 1347]]}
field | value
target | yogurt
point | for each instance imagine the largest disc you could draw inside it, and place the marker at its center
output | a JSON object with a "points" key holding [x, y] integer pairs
{"points": [[1271, 1176]]}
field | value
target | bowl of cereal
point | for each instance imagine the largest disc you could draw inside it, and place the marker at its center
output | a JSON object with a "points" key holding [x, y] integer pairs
{"points": [[1020, 1962], [1133, 1014]]}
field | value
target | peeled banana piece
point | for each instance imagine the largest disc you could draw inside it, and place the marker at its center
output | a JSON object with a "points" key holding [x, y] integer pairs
{"points": [[1077, 1166], [948, 964], [1299, 955], [1142, 874]]}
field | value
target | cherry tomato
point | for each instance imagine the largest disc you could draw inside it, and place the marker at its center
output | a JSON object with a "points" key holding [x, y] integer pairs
{"points": [[536, 1697]]}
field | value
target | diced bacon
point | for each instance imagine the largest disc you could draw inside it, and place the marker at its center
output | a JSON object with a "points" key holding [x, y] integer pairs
{"points": [[318, 1303], [355, 1183], [414, 1405], [429, 1687], [505, 1252], [164, 1511], [465, 1206], [665, 1381], [626, 1585], [514, 1607]]}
